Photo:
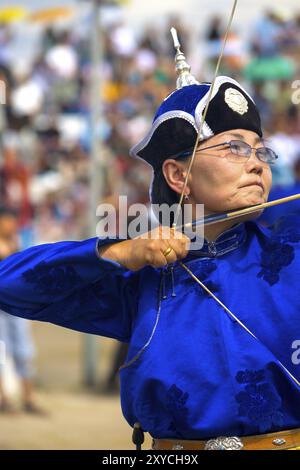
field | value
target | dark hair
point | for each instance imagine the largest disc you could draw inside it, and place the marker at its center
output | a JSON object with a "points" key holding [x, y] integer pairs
{"points": [[161, 193]]}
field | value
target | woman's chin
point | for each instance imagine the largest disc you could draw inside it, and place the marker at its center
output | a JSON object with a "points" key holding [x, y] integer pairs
{"points": [[253, 200], [240, 203]]}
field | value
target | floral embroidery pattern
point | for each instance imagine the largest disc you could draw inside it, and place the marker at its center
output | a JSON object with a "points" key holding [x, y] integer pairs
{"points": [[249, 376], [278, 251], [176, 400], [287, 229], [290, 235], [274, 257], [52, 280], [259, 402]]}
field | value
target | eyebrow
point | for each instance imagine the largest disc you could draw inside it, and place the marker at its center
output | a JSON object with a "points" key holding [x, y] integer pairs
{"points": [[240, 136]]}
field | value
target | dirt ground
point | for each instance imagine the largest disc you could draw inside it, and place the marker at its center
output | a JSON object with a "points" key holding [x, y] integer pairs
{"points": [[78, 419]]}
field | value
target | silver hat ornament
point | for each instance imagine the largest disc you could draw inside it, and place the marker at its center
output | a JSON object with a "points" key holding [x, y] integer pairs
{"points": [[183, 69]]}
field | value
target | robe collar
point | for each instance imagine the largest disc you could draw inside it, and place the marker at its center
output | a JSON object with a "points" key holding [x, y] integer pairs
{"points": [[227, 241]]}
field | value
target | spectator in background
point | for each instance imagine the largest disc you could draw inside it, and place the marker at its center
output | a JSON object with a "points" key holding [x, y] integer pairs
{"points": [[285, 140], [268, 34], [6, 35], [6, 111], [213, 38], [263, 103], [14, 332]]}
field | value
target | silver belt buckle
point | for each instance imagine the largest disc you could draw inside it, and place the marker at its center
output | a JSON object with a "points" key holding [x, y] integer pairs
{"points": [[224, 443]]}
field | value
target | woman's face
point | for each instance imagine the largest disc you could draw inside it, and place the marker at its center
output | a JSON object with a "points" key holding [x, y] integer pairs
{"points": [[221, 184]]}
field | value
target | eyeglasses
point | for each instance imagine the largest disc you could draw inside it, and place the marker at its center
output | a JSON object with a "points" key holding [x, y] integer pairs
{"points": [[240, 152]]}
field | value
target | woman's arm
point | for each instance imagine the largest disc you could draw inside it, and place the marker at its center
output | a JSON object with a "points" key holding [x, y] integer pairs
{"points": [[88, 286], [67, 283]]}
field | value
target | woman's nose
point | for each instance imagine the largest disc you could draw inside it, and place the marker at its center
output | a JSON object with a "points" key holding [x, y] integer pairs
{"points": [[254, 163]]}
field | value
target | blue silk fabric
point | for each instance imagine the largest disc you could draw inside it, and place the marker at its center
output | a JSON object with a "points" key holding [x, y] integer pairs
{"points": [[273, 213], [192, 371]]}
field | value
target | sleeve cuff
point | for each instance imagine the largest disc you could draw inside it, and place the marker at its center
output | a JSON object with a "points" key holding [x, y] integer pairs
{"points": [[100, 243]]}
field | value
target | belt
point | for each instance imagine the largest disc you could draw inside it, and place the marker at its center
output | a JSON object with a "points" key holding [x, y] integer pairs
{"points": [[274, 441]]}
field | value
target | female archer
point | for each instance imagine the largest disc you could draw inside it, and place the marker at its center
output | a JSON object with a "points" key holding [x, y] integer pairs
{"points": [[212, 362]]}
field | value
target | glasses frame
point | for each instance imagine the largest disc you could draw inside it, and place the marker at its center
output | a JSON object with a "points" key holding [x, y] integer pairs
{"points": [[189, 152]]}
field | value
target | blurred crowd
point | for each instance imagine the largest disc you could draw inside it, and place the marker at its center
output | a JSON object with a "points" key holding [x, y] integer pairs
{"points": [[45, 125]]}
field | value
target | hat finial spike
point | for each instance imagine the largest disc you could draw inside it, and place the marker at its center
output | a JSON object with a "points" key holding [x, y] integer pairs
{"points": [[183, 69]]}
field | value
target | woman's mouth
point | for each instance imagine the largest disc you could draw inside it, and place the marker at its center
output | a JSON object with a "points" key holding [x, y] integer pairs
{"points": [[260, 185]]}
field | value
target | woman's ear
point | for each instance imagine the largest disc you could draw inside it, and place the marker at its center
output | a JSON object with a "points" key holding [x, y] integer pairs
{"points": [[175, 174]]}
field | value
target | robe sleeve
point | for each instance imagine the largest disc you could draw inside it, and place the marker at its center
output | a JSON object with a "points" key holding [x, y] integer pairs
{"points": [[69, 284]]}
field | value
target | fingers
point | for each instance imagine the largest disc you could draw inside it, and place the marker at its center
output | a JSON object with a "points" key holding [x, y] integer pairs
{"points": [[169, 252], [165, 246], [180, 243], [159, 260], [176, 247], [177, 252]]}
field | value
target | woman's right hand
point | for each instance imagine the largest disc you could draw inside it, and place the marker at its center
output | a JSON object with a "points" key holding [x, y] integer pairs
{"points": [[157, 248]]}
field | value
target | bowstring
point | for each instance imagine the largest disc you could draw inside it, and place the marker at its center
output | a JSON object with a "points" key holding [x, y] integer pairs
{"points": [[199, 134]]}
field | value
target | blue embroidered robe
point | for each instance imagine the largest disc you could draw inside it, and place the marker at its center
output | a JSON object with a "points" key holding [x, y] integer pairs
{"points": [[192, 371]]}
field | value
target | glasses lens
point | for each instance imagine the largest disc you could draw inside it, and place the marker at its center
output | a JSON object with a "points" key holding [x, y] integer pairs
{"points": [[240, 148], [266, 155]]}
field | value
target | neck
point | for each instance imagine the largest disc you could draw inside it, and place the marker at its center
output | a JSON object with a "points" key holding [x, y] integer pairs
{"points": [[211, 232]]}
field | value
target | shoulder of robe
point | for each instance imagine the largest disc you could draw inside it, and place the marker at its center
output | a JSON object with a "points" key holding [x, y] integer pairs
{"points": [[286, 229]]}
